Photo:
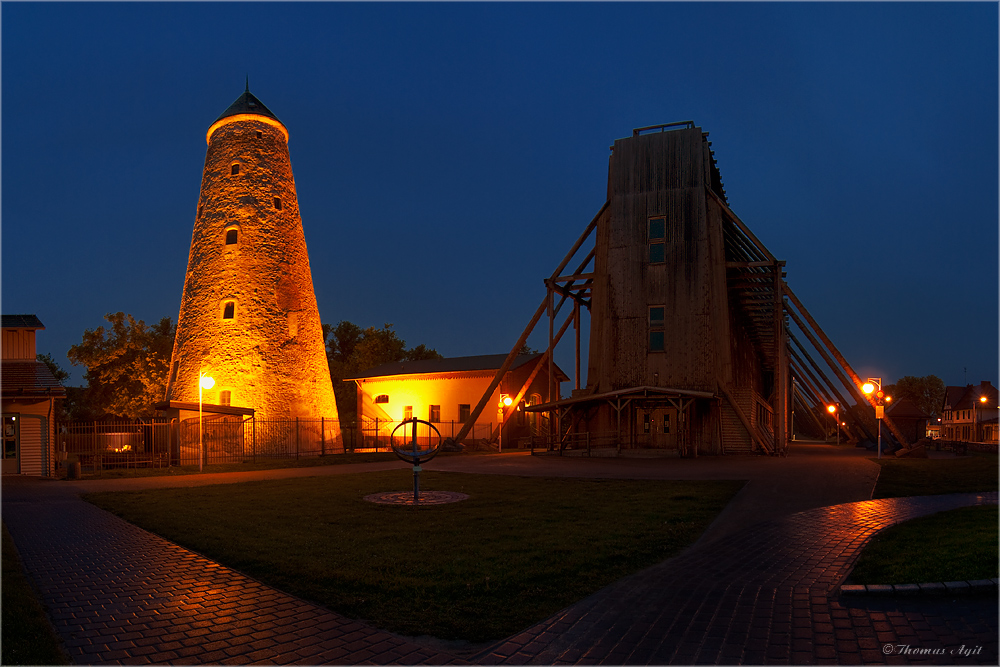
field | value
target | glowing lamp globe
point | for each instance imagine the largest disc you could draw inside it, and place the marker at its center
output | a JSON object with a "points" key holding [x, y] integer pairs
{"points": [[207, 382], [868, 387], [831, 409]]}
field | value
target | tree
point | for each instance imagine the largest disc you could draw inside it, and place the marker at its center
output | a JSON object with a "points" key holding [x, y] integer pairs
{"points": [[57, 372], [351, 350], [127, 365], [926, 392]]}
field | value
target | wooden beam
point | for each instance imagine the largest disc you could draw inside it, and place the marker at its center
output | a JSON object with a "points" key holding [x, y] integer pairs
{"points": [[534, 373], [739, 223], [578, 276], [505, 366], [846, 366]]}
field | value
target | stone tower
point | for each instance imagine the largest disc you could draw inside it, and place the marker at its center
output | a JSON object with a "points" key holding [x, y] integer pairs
{"points": [[248, 314]]}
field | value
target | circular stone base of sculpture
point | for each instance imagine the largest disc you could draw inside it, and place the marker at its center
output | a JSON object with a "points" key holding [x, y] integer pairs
{"points": [[406, 497]]}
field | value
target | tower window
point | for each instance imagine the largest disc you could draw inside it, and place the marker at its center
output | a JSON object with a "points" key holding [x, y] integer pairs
{"points": [[656, 240], [225, 397], [235, 169], [656, 332], [260, 135], [277, 203], [201, 210], [382, 398], [229, 310], [232, 236]]}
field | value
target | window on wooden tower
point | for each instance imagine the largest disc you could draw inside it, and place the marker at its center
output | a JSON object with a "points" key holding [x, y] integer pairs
{"points": [[656, 333], [656, 239], [229, 310], [235, 169]]}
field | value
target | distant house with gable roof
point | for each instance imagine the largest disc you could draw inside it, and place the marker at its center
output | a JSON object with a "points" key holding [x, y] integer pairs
{"points": [[28, 394], [969, 413]]}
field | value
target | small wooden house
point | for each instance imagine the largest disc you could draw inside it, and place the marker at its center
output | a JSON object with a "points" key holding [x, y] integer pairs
{"points": [[444, 391], [29, 398]]}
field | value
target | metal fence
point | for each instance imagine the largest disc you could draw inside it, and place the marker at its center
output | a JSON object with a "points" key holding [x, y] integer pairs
{"points": [[232, 439]]}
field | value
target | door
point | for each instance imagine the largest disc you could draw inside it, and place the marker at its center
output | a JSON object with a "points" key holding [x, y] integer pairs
{"points": [[11, 445], [658, 428]]}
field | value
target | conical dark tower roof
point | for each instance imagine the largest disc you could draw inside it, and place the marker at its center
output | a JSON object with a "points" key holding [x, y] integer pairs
{"points": [[247, 103]]}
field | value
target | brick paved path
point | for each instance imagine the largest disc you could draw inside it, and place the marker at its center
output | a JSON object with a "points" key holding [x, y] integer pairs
{"points": [[762, 595], [765, 595], [118, 594]]}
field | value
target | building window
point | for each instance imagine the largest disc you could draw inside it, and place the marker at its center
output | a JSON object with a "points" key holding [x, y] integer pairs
{"points": [[656, 239], [277, 203], [260, 135], [435, 414], [229, 310], [407, 412], [656, 333], [464, 410], [382, 398], [235, 169], [232, 236], [225, 397]]}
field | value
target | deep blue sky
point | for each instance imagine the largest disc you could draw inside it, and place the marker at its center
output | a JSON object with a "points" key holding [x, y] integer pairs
{"points": [[446, 156]]}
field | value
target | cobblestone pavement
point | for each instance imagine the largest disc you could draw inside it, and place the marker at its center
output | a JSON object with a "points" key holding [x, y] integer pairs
{"points": [[118, 594], [765, 594]]}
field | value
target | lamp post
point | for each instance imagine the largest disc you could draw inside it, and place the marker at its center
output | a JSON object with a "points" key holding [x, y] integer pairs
{"points": [[505, 401], [204, 382], [975, 425], [874, 385], [832, 409]]}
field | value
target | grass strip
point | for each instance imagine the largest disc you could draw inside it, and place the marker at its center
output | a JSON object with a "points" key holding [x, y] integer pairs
{"points": [[926, 477], [517, 551], [28, 639], [956, 545]]}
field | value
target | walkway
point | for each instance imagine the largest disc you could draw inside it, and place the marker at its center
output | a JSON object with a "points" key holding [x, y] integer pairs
{"points": [[752, 595]]}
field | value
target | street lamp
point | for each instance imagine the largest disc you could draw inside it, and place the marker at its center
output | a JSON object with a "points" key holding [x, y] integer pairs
{"points": [[975, 425], [204, 382], [874, 385], [505, 402], [832, 409]]}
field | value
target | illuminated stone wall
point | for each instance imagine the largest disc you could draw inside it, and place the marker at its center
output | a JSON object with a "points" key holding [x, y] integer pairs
{"points": [[248, 252]]}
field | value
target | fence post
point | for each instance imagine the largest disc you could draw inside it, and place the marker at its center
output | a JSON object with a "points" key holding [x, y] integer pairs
{"points": [[296, 438], [376, 434], [96, 460], [253, 436]]}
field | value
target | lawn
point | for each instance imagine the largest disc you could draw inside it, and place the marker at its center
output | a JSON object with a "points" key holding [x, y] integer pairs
{"points": [[264, 464], [956, 545], [514, 553], [925, 477], [28, 639]]}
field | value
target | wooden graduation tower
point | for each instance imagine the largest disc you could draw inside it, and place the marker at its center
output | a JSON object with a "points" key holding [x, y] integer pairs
{"points": [[692, 343], [248, 314]]}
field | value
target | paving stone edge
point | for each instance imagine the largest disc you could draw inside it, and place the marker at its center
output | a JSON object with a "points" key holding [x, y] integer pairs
{"points": [[976, 587]]}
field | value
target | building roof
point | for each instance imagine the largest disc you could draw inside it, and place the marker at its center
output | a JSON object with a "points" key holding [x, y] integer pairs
{"points": [[962, 398], [904, 408], [247, 103], [485, 362], [28, 377], [21, 322]]}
